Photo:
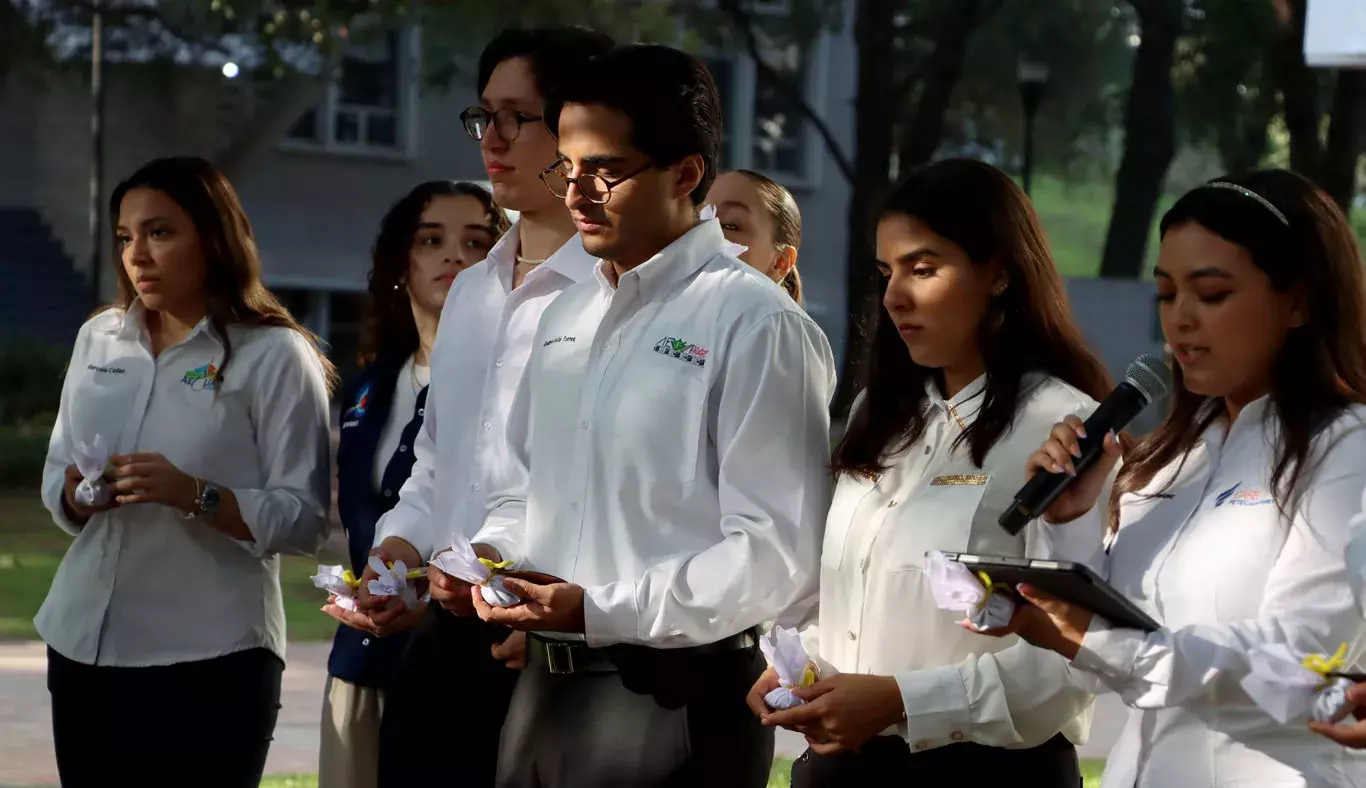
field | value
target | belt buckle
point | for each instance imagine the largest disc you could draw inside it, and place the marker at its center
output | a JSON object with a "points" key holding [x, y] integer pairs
{"points": [[559, 658]]}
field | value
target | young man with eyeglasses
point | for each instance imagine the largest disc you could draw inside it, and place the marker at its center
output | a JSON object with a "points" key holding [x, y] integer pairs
{"points": [[486, 331], [677, 479]]}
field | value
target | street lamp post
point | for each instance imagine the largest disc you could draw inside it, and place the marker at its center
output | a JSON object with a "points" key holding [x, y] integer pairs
{"points": [[96, 146], [1032, 77]]}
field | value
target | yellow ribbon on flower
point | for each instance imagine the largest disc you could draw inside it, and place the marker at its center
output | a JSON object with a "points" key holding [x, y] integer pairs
{"points": [[989, 586], [494, 568], [808, 677], [350, 578], [1324, 666]]}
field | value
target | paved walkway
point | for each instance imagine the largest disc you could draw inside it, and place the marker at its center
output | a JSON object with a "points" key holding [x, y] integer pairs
{"points": [[26, 736]]}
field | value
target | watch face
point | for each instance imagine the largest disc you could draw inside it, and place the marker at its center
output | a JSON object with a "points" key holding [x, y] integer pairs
{"points": [[209, 499]]}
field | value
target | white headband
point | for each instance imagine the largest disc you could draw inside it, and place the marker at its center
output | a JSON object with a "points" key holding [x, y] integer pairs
{"points": [[1246, 192]]}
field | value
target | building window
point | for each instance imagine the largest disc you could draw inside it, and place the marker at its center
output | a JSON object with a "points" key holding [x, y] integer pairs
{"points": [[765, 128], [369, 105]]}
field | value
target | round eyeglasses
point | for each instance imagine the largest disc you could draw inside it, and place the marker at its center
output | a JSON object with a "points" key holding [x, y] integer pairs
{"points": [[594, 188], [507, 122]]}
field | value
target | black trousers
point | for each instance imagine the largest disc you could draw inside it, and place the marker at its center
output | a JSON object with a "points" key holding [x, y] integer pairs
{"points": [[887, 760], [206, 723], [660, 719], [445, 706]]}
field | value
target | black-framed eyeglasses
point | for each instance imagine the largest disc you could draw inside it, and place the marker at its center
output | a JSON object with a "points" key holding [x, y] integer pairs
{"points": [[507, 122], [595, 188]]}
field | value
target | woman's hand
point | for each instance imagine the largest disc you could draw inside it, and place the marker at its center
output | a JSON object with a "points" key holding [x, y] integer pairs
{"points": [[147, 477], [842, 712], [1046, 622], [768, 681], [1056, 455], [381, 623], [74, 511]]}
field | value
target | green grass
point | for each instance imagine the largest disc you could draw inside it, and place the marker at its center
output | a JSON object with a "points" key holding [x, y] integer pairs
{"points": [[31, 547], [780, 777]]}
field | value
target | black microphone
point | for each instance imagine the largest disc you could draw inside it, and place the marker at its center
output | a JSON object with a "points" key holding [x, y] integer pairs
{"points": [[1145, 381]]}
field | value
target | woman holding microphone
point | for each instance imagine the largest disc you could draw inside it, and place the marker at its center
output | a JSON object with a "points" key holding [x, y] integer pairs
{"points": [[1228, 524], [974, 352]]}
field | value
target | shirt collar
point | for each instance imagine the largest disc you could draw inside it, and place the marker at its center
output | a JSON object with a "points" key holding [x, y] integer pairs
{"points": [[571, 260], [962, 407], [673, 263], [133, 325]]}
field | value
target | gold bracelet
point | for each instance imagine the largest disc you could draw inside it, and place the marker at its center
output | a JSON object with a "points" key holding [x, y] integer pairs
{"points": [[198, 497]]}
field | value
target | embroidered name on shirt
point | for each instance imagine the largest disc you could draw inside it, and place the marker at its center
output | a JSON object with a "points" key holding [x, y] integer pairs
{"points": [[106, 370], [682, 350], [958, 480], [1236, 497], [556, 340], [203, 378]]}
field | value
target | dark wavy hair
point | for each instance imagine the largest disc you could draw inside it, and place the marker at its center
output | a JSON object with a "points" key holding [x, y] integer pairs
{"points": [[389, 327], [235, 294], [1028, 328], [1321, 369]]}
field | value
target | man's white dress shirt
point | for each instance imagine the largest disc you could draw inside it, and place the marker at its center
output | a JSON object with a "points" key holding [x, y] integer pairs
{"points": [[877, 614], [480, 351], [1214, 561], [670, 443], [141, 585]]}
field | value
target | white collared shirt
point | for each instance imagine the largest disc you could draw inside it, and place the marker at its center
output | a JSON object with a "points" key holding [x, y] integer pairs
{"points": [[480, 351], [877, 614], [671, 438], [141, 585], [1216, 563]]}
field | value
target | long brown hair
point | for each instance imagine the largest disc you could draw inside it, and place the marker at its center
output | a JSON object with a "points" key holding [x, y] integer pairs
{"points": [[781, 208], [389, 326], [235, 294], [1028, 328], [1322, 367]]}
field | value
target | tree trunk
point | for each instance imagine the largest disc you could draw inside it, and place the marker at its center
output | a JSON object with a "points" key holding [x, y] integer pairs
{"points": [[873, 121], [1299, 89], [285, 102], [943, 69], [1346, 138], [1149, 141]]}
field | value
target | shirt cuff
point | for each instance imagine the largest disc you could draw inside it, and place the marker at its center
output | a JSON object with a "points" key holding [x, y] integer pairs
{"points": [[1108, 651], [937, 707], [249, 504], [610, 615], [411, 530]]}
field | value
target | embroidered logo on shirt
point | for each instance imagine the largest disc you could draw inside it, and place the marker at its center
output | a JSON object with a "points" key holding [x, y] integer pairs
{"points": [[682, 350], [203, 378], [1236, 497], [355, 412]]}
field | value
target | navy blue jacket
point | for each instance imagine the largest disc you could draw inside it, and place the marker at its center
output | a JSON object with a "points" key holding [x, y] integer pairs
{"points": [[358, 657]]}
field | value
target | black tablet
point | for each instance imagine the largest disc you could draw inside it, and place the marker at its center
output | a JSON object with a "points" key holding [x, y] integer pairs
{"points": [[1069, 581]]}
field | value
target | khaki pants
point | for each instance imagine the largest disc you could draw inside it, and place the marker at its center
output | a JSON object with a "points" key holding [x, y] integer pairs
{"points": [[348, 754]]}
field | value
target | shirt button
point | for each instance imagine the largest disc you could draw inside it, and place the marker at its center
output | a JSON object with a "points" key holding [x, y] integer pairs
{"points": [[422, 411], [402, 448], [497, 363], [475, 486], [956, 735], [487, 426], [365, 642], [583, 425], [891, 504], [388, 493], [927, 450], [574, 507], [851, 635], [922, 744]]}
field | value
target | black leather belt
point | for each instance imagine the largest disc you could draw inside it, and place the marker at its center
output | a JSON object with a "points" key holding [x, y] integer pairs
{"points": [[564, 657]]}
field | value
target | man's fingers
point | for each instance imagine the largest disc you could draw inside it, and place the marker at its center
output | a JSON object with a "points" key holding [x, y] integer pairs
{"points": [[389, 615], [825, 748], [797, 715], [1353, 736]]}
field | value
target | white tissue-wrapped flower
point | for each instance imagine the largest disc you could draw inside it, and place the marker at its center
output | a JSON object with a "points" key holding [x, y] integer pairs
{"points": [[391, 581], [1331, 704], [957, 589], [461, 562], [332, 579], [91, 460], [1285, 688], [784, 651]]}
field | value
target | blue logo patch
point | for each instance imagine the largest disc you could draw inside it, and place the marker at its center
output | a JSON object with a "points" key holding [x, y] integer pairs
{"points": [[362, 402]]}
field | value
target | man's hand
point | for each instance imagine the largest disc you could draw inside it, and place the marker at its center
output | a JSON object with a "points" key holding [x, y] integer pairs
{"points": [[767, 682], [557, 607], [452, 593], [390, 551], [1348, 735], [381, 623], [842, 712], [512, 652]]}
